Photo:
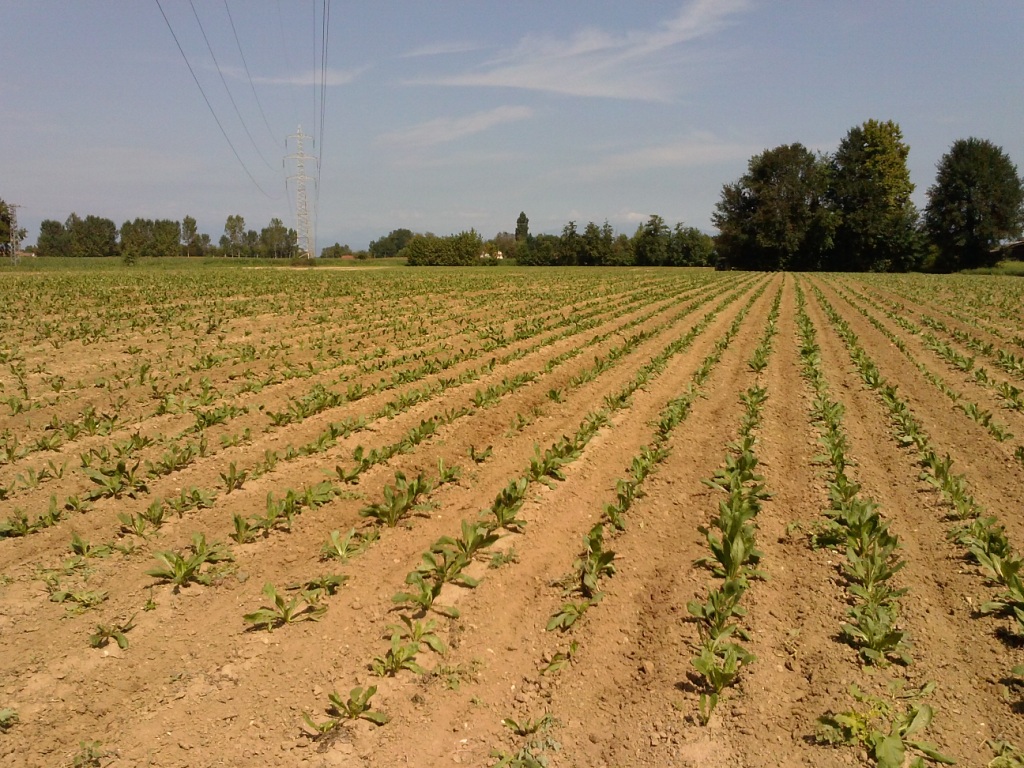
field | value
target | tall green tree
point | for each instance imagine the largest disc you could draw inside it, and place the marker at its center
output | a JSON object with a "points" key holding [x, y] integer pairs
{"points": [[689, 247], [390, 244], [977, 202], [5, 224], [91, 237], [137, 240], [233, 241], [53, 240], [189, 235], [650, 244], [522, 228], [569, 246], [166, 238], [274, 242], [777, 215], [871, 191], [596, 247]]}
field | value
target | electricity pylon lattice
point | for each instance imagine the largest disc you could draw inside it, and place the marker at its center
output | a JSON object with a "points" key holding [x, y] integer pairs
{"points": [[303, 222]]}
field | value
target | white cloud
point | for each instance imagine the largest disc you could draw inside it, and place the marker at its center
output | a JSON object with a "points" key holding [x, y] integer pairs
{"points": [[597, 63], [312, 77], [441, 49], [446, 129], [699, 149]]}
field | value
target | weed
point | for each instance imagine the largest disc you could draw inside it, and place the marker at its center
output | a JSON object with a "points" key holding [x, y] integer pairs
{"points": [[498, 559], [315, 589], [106, 632], [80, 600], [90, 755], [886, 727], [479, 457], [8, 719]]}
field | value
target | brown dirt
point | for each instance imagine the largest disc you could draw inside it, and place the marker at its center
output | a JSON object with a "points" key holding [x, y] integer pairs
{"points": [[196, 688]]}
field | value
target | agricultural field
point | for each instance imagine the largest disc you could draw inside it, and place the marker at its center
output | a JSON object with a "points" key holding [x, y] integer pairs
{"points": [[506, 517]]}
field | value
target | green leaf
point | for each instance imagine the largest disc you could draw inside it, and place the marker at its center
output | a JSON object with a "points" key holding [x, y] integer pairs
{"points": [[889, 752], [377, 718]]}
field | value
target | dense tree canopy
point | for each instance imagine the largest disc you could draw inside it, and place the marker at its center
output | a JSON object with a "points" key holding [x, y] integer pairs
{"points": [[848, 212], [390, 244], [870, 189], [428, 250], [91, 237], [53, 240], [977, 202], [776, 216]]}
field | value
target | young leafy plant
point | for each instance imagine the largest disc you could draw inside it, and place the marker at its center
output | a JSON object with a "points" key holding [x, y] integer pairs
{"points": [[356, 707], [352, 543], [595, 562], [422, 633], [570, 613], [106, 632], [282, 611], [423, 595], [181, 568], [401, 655]]}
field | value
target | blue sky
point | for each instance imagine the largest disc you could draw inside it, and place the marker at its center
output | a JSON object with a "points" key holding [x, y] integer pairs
{"points": [[440, 116]]}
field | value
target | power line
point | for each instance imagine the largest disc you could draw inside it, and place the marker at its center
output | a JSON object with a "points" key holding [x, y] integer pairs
{"points": [[287, 57], [247, 74], [226, 88], [208, 104], [325, 36]]}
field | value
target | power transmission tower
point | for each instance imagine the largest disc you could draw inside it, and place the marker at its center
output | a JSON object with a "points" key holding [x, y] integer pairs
{"points": [[12, 217], [304, 227]]}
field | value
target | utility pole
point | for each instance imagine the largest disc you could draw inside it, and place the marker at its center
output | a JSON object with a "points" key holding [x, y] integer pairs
{"points": [[304, 229]]}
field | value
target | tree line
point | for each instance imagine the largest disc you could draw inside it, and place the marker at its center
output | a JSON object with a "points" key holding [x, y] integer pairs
{"points": [[793, 209], [851, 211], [653, 244], [95, 236]]}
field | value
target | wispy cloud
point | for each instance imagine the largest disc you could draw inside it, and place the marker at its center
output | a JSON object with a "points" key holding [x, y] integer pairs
{"points": [[699, 149], [446, 129], [441, 49], [597, 63], [458, 159], [311, 77]]}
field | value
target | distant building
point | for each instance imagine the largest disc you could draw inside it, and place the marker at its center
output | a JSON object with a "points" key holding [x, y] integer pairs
{"points": [[1014, 250]]}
